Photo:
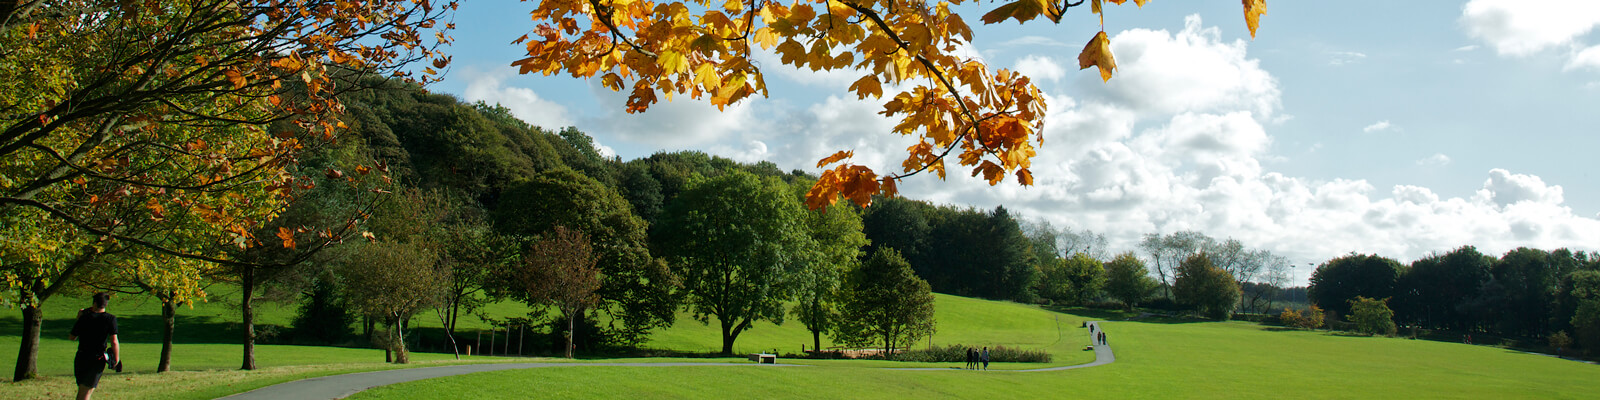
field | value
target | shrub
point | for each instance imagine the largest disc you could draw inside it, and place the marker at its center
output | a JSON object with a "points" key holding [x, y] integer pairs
{"points": [[1372, 316], [1311, 319], [958, 353]]}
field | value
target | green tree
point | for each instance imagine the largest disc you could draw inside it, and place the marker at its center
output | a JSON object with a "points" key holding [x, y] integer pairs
{"points": [[1585, 295], [636, 290], [1337, 281], [1127, 280], [836, 240], [1088, 277], [393, 280], [734, 239], [1167, 252], [1206, 287], [1372, 316], [885, 303]]}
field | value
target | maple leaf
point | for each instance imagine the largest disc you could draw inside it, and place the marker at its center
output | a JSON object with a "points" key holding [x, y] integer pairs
{"points": [[288, 237], [1021, 10], [834, 158], [1252, 14], [1098, 54], [867, 85]]}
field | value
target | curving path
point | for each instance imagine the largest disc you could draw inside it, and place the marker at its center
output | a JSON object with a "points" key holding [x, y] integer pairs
{"points": [[341, 386]]}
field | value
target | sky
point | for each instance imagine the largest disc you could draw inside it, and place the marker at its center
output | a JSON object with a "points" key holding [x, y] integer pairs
{"points": [[1367, 126]]}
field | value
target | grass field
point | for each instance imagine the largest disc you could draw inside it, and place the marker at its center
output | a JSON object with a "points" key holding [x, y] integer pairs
{"points": [[1157, 359]]}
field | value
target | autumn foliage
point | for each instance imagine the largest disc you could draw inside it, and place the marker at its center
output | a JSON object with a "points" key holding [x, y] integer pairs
{"points": [[990, 121]]}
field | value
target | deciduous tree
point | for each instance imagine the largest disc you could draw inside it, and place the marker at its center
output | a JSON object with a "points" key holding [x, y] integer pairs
{"points": [[836, 240], [885, 303], [1205, 287], [560, 270], [1127, 280], [734, 240], [124, 122]]}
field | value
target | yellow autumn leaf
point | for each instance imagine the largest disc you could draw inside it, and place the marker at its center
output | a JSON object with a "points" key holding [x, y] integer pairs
{"points": [[1021, 10], [1098, 54], [835, 158], [1252, 14], [673, 62], [867, 85]]}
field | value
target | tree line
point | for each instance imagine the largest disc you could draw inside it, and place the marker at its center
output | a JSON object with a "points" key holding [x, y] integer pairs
{"points": [[1525, 293]]}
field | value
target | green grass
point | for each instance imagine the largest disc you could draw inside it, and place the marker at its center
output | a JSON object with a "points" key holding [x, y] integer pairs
{"points": [[961, 320], [1154, 360]]}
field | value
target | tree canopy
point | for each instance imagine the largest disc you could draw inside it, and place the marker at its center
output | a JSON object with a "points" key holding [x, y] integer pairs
{"points": [[735, 239]]}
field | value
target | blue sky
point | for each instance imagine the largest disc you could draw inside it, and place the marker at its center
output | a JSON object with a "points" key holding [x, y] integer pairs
{"points": [[1400, 128]]}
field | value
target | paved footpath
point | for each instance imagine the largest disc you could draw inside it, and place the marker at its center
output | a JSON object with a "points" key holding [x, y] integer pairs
{"points": [[341, 386]]}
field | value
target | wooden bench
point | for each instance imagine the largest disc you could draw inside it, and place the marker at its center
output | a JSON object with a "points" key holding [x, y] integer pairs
{"points": [[764, 358]]}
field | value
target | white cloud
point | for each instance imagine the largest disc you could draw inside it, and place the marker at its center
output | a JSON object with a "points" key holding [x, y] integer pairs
{"points": [[523, 102], [679, 123], [1040, 68], [1378, 126], [1435, 159], [1192, 70], [1504, 188], [1345, 57], [1588, 58], [1469, 47], [1521, 28], [1125, 166]]}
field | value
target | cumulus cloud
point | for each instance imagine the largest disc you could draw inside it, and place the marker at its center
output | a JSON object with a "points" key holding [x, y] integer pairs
{"points": [[489, 87], [1520, 28], [1127, 165], [1587, 58], [679, 123], [1435, 159], [1040, 68], [1377, 126]]}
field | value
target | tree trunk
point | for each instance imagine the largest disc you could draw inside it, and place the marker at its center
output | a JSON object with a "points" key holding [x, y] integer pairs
{"points": [[570, 334], [169, 313], [400, 355], [727, 338], [28, 350], [816, 341], [248, 283]]}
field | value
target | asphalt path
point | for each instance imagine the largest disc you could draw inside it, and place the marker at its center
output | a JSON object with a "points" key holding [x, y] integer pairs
{"points": [[341, 386]]}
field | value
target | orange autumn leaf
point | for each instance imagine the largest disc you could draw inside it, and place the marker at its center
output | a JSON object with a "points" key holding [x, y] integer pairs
{"points": [[1252, 14], [1098, 54], [288, 237]]}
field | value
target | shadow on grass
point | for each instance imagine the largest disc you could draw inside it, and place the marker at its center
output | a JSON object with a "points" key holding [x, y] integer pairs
{"points": [[144, 328]]}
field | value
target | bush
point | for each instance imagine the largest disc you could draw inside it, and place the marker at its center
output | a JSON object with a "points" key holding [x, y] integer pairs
{"points": [[1311, 319], [958, 353], [1372, 316]]}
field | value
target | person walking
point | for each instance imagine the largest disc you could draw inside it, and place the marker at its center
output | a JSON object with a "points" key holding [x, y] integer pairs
{"points": [[985, 358], [970, 358], [93, 329]]}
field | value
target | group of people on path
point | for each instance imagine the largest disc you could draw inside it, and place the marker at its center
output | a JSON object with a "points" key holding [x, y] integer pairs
{"points": [[1098, 335], [978, 359]]}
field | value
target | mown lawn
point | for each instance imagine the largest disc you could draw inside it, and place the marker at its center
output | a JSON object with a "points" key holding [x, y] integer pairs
{"points": [[1156, 359]]}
